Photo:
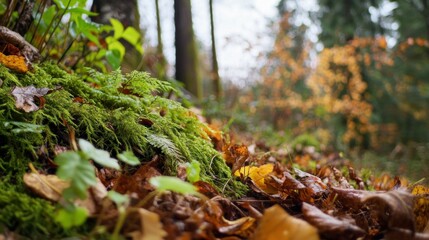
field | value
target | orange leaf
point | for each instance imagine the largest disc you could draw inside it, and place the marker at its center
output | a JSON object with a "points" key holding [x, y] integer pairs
{"points": [[14, 62]]}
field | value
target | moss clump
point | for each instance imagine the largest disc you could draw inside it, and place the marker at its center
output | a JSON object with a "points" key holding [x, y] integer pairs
{"points": [[113, 111], [28, 216]]}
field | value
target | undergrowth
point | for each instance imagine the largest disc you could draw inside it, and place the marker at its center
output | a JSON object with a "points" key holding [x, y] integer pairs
{"points": [[113, 111]]}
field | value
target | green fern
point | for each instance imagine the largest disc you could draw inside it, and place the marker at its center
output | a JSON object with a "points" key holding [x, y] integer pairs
{"points": [[166, 146]]}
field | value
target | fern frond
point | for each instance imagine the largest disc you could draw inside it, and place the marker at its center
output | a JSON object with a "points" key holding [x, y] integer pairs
{"points": [[165, 145]]}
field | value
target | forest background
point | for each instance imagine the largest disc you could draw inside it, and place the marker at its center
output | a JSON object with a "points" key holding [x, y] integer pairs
{"points": [[338, 76]]}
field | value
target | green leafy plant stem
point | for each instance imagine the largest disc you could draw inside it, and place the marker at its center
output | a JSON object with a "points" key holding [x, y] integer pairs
{"points": [[55, 27]]}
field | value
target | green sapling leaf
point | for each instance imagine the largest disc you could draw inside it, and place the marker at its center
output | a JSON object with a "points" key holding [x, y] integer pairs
{"points": [[99, 156], [166, 183], [128, 157], [78, 170], [118, 198], [118, 28], [72, 217], [193, 170]]}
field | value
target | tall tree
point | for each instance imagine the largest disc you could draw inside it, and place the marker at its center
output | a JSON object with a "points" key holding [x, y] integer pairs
{"points": [[341, 21], [186, 51], [413, 18], [162, 62], [126, 11], [217, 85]]}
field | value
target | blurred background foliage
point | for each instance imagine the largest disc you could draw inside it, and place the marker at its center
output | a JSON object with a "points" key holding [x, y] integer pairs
{"points": [[362, 87]]}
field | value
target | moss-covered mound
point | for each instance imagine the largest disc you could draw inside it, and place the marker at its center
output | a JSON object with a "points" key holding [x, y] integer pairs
{"points": [[115, 112]]}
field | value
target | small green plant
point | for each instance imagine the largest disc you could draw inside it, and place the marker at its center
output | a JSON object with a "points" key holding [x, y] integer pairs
{"points": [[174, 184], [75, 167], [193, 170]]}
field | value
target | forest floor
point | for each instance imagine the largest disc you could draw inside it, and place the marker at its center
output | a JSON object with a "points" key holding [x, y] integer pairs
{"points": [[174, 177]]}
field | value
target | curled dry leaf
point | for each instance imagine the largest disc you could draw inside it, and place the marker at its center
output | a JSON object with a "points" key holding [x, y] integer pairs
{"points": [[24, 97], [277, 224], [47, 186], [394, 209], [350, 198], [235, 155], [401, 234], [242, 226], [328, 226], [150, 226], [51, 187]]}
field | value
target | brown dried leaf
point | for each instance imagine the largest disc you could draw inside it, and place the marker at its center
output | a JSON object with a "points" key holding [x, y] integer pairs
{"points": [[139, 181], [24, 97], [235, 155], [277, 224], [242, 227], [393, 208], [47, 186], [314, 185], [151, 227], [206, 189], [350, 198], [51, 187], [329, 226]]}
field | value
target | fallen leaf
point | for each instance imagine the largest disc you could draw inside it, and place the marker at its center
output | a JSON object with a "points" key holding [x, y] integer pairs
{"points": [[235, 156], [277, 224], [151, 227], [47, 186], [314, 186], [14, 62], [328, 226], [24, 97], [393, 208], [242, 226], [206, 189], [258, 175], [421, 206], [51, 187], [214, 214], [139, 181]]}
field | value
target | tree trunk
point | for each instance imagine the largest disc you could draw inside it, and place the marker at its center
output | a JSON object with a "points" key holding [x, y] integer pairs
{"points": [[126, 11], [217, 86], [186, 51], [162, 62]]}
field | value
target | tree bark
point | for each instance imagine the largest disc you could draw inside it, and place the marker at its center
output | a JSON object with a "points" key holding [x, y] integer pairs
{"points": [[162, 62], [217, 85], [186, 51]]}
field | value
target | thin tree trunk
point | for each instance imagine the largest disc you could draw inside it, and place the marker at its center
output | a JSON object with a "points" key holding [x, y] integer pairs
{"points": [[162, 64], [186, 51], [217, 85]]}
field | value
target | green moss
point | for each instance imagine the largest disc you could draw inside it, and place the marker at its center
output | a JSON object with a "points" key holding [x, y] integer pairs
{"points": [[28, 216], [118, 112]]}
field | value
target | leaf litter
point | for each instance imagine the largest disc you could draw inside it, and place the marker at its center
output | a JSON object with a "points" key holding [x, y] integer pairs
{"points": [[283, 202]]}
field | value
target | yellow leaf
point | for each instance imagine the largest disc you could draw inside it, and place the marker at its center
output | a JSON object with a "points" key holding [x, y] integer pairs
{"points": [[421, 206], [278, 224], [257, 174]]}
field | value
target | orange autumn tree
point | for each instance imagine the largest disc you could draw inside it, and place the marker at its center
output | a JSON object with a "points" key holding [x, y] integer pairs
{"points": [[279, 98], [334, 102]]}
